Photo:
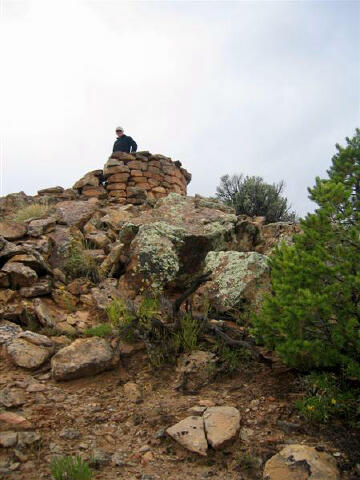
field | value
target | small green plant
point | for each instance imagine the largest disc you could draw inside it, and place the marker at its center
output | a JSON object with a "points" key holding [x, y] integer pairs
{"points": [[231, 358], [80, 264], [103, 330], [245, 462], [70, 468], [187, 338], [148, 309], [120, 316], [34, 210], [327, 397]]}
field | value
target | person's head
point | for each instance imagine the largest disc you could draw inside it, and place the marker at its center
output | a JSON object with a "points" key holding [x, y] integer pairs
{"points": [[119, 131]]}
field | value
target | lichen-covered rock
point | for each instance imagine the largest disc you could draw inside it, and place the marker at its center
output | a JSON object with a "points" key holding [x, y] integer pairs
{"points": [[84, 357], [222, 425], [194, 370], [190, 434], [48, 313], [12, 230], [237, 278], [300, 462], [20, 275]]}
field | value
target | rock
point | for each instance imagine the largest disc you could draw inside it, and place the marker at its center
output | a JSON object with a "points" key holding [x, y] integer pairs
{"points": [[74, 213], [20, 275], [12, 230], [97, 192], [237, 278], [104, 293], [190, 434], [222, 425], [8, 331], [98, 239], [70, 434], [274, 233], [132, 392], [51, 190], [13, 421], [10, 397], [48, 313], [195, 370], [33, 260], [99, 458], [40, 226], [300, 462], [8, 439], [7, 296], [84, 357], [91, 179], [30, 350], [38, 289], [27, 438], [4, 280], [118, 459]]}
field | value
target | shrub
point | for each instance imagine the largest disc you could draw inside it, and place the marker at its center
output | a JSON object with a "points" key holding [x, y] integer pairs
{"points": [[103, 330], [80, 264], [326, 397], [70, 468], [252, 196], [312, 318], [34, 210]]}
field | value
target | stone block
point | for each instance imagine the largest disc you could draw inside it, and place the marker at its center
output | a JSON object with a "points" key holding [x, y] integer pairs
{"points": [[118, 178], [116, 186]]}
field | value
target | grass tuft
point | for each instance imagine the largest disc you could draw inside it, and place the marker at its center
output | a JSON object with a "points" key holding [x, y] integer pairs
{"points": [[70, 468]]}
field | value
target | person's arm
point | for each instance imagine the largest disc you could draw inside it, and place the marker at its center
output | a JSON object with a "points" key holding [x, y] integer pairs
{"points": [[133, 145], [114, 146]]}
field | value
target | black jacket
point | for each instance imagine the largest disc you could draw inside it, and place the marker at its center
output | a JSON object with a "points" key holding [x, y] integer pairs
{"points": [[124, 144]]}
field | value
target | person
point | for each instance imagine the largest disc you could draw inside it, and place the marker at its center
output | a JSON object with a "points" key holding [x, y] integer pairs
{"points": [[124, 143]]}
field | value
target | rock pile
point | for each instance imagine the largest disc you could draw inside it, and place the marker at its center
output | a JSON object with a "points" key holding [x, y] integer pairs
{"points": [[135, 178]]}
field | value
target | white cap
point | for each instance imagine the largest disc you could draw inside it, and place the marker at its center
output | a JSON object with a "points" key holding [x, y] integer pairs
{"points": [[119, 128]]}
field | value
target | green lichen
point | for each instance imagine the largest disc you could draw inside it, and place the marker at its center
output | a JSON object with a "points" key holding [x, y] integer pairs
{"points": [[232, 272], [157, 245]]}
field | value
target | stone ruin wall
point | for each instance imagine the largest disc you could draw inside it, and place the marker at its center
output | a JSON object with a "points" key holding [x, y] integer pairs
{"points": [[135, 178]]}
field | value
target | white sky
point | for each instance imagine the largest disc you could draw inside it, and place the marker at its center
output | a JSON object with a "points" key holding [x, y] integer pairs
{"points": [[260, 88]]}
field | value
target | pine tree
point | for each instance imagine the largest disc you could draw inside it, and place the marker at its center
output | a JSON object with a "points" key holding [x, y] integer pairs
{"points": [[312, 317]]}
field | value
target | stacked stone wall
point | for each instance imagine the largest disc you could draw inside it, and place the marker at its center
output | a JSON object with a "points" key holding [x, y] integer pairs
{"points": [[135, 178]]}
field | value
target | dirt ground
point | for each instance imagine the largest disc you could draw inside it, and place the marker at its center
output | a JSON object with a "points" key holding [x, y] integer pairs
{"points": [[106, 418]]}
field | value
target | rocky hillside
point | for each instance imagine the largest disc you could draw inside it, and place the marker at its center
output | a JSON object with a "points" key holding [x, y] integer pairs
{"points": [[75, 266]]}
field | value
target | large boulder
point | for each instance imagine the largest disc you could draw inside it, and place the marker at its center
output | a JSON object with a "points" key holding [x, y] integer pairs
{"points": [[84, 357], [237, 278], [300, 462], [12, 230], [8, 331], [173, 240]]}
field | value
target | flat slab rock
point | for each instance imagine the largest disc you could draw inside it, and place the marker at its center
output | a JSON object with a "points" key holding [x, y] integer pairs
{"points": [[12, 230], [300, 462], [84, 357], [215, 428], [74, 213], [190, 434], [222, 424]]}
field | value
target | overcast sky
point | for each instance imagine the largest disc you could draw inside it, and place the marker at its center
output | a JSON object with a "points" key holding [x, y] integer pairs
{"points": [[260, 88]]}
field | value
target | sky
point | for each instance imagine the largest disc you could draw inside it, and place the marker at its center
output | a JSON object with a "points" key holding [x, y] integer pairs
{"points": [[253, 87]]}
